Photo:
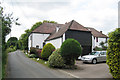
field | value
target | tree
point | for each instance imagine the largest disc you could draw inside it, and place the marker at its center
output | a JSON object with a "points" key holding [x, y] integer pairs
{"points": [[103, 46], [24, 37], [7, 21], [49, 21], [70, 50], [12, 41], [113, 53]]}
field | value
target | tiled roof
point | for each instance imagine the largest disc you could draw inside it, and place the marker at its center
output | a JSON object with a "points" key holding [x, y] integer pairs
{"points": [[96, 33], [73, 25], [47, 28], [76, 26], [50, 28]]}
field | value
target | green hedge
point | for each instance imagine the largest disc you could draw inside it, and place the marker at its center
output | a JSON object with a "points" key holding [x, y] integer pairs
{"points": [[47, 51], [32, 50], [70, 50], [56, 60], [113, 53]]}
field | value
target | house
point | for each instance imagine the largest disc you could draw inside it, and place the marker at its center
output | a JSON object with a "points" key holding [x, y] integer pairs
{"points": [[58, 33], [97, 38]]}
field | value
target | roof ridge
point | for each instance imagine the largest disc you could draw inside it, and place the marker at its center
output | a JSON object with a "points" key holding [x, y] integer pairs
{"points": [[71, 23]]}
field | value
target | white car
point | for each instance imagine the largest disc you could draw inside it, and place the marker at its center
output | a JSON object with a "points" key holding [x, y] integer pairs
{"points": [[94, 57]]}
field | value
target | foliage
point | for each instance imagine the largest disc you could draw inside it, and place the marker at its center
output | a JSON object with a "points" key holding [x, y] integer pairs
{"points": [[102, 44], [33, 56], [38, 52], [97, 49], [7, 21], [23, 41], [56, 60], [47, 50], [12, 41], [113, 53], [10, 49], [70, 50], [49, 21], [37, 24], [33, 50]]}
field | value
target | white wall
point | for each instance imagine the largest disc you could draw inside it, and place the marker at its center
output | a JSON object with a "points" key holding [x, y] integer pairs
{"points": [[56, 42], [63, 37], [99, 41], [94, 43], [37, 39]]}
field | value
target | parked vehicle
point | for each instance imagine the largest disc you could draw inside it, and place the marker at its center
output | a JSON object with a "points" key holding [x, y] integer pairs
{"points": [[94, 57]]}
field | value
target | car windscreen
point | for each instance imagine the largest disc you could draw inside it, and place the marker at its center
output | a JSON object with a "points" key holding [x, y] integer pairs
{"points": [[94, 53]]}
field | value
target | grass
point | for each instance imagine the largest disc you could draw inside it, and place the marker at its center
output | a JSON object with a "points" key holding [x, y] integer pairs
{"points": [[4, 61], [41, 61]]}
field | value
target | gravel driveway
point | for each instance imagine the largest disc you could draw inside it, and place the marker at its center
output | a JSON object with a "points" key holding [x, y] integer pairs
{"points": [[87, 70]]}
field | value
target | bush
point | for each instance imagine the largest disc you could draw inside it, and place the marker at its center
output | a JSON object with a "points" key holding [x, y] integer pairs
{"points": [[10, 49], [113, 53], [32, 56], [47, 50], [70, 50], [97, 49], [32, 50], [56, 60], [38, 52]]}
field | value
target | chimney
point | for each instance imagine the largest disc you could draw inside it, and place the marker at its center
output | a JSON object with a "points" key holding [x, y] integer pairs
{"points": [[57, 28], [100, 31]]}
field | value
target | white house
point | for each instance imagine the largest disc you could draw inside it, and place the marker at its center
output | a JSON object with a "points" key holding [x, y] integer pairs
{"points": [[97, 37], [58, 33]]}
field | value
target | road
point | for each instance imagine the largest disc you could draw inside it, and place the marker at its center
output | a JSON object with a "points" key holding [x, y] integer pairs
{"points": [[19, 66]]}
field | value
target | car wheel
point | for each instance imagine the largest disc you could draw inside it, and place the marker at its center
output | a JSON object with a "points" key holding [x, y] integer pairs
{"points": [[94, 61]]}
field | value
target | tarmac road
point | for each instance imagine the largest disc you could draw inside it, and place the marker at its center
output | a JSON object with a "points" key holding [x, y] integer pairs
{"points": [[19, 66]]}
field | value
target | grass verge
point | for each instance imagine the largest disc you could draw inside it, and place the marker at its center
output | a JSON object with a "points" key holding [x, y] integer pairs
{"points": [[41, 61], [5, 61]]}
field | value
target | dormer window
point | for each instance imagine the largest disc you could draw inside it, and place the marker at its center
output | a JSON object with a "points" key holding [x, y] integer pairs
{"points": [[57, 28]]}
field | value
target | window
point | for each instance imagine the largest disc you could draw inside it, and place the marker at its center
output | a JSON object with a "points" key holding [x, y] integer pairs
{"points": [[37, 46], [43, 44], [96, 39]]}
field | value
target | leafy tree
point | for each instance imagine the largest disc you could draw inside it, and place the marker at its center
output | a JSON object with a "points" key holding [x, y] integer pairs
{"points": [[37, 24], [7, 22], [113, 53], [49, 21], [102, 44], [23, 41], [70, 50], [12, 41]]}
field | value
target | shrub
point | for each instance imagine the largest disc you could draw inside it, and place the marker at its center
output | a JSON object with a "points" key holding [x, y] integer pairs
{"points": [[56, 60], [9, 50], [70, 50], [113, 53], [47, 50], [32, 56], [32, 50], [38, 52], [97, 49]]}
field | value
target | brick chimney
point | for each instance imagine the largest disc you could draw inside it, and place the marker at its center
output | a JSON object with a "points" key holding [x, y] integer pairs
{"points": [[100, 31]]}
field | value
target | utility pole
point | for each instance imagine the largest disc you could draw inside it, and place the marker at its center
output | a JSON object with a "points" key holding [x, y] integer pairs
{"points": [[119, 14]]}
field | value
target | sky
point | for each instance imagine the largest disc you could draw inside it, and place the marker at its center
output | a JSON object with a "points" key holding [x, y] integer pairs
{"points": [[99, 14]]}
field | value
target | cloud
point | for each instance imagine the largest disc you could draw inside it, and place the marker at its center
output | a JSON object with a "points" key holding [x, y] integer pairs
{"points": [[101, 15]]}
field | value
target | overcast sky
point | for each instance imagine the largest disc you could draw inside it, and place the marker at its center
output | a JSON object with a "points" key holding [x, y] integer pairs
{"points": [[99, 14]]}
